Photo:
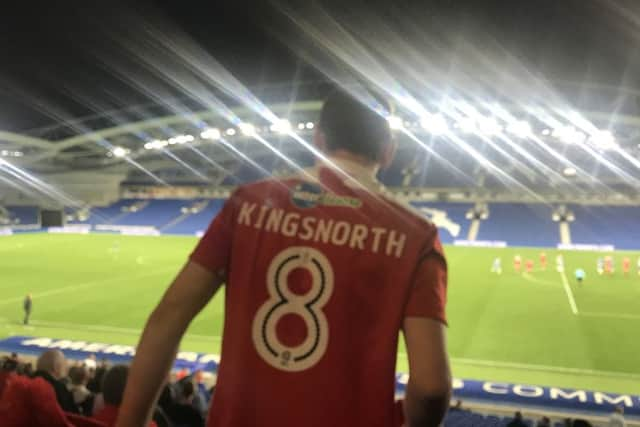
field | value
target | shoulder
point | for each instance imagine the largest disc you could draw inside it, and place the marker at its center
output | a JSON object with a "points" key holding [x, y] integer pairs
{"points": [[408, 213], [263, 188]]}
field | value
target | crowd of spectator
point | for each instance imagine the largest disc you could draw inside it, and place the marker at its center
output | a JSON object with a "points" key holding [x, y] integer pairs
{"points": [[88, 394], [85, 394]]}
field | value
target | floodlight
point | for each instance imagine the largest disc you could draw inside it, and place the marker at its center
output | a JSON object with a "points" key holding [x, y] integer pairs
{"points": [[212, 134], [300, 126], [281, 126], [395, 122], [434, 124], [467, 125], [603, 139], [119, 151], [489, 126], [569, 171], [247, 129], [310, 125], [230, 131], [546, 132], [520, 128]]}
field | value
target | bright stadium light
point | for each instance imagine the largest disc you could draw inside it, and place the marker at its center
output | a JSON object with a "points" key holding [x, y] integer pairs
{"points": [[395, 122], [281, 126], [230, 131], [546, 132], [489, 126], [435, 124], [519, 128], [300, 126], [4, 153], [569, 135], [148, 146], [119, 151], [569, 171], [309, 125], [467, 125], [247, 129], [603, 139], [212, 134]]}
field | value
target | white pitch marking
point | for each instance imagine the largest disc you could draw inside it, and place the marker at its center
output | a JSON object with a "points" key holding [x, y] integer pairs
{"points": [[567, 289], [85, 285], [611, 315], [543, 368]]}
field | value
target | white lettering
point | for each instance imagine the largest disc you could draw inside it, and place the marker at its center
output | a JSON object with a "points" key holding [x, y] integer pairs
{"points": [[323, 231], [290, 224], [557, 393], [207, 358], [38, 342], [95, 347], [189, 356], [307, 225], [274, 220], [120, 350], [495, 388], [395, 245], [263, 212], [61, 344], [528, 391], [601, 398], [337, 238], [377, 234], [457, 384], [358, 236], [246, 210]]}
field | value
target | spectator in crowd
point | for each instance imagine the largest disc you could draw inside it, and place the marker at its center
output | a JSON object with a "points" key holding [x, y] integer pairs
{"points": [[82, 397], [90, 362], [456, 406], [517, 421], [617, 418], [182, 412], [52, 367], [113, 384], [544, 422], [7, 371], [95, 383], [30, 402]]}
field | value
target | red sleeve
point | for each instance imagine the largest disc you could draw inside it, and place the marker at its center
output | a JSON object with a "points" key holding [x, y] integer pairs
{"points": [[213, 252], [428, 296]]}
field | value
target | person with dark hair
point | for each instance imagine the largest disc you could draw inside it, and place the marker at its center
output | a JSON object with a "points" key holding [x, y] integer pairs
{"points": [[517, 421], [544, 422], [82, 396], [113, 385], [182, 413], [323, 271]]}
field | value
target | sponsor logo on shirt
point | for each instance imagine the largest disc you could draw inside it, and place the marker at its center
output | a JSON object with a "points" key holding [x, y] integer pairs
{"points": [[307, 195]]}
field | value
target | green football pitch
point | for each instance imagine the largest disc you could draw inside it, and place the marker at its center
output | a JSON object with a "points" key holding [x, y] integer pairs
{"points": [[511, 327]]}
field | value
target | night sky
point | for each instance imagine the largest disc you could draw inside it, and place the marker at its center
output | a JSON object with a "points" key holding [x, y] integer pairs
{"points": [[57, 61]]}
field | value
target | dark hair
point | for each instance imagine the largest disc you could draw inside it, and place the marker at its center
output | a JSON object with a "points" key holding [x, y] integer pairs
{"points": [[113, 384], [78, 375], [188, 389], [350, 125]]}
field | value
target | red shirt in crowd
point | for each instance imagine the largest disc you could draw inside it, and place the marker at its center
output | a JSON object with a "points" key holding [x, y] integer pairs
{"points": [[320, 274]]}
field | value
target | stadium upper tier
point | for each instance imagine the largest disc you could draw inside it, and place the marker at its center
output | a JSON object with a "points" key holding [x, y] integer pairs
{"points": [[516, 224]]}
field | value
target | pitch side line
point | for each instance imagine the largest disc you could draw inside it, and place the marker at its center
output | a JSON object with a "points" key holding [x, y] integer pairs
{"points": [[610, 315], [86, 285], [567, 289]]}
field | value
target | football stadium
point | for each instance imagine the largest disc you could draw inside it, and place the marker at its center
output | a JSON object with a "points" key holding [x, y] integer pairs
{"points": [[533, 187]]}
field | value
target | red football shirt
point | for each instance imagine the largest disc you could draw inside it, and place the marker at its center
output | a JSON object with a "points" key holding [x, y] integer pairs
{"points": [[320, 274]]}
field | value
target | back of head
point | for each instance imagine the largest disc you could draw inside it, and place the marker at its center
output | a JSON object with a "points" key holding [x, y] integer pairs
{"points": [[78, 375], [188, 389], [53, 363], [113, 384], [348, 124]]}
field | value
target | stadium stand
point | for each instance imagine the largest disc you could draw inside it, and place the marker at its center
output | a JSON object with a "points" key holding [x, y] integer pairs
{"points": [[196, 222], [520, 225], [454, 212], [23, 215], [606, 225]]}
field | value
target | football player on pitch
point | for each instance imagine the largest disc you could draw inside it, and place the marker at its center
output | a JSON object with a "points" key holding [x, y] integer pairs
{"points": [[322, 271]]}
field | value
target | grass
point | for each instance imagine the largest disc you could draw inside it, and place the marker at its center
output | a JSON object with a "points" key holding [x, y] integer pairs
{"points": [[512, 327]]}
